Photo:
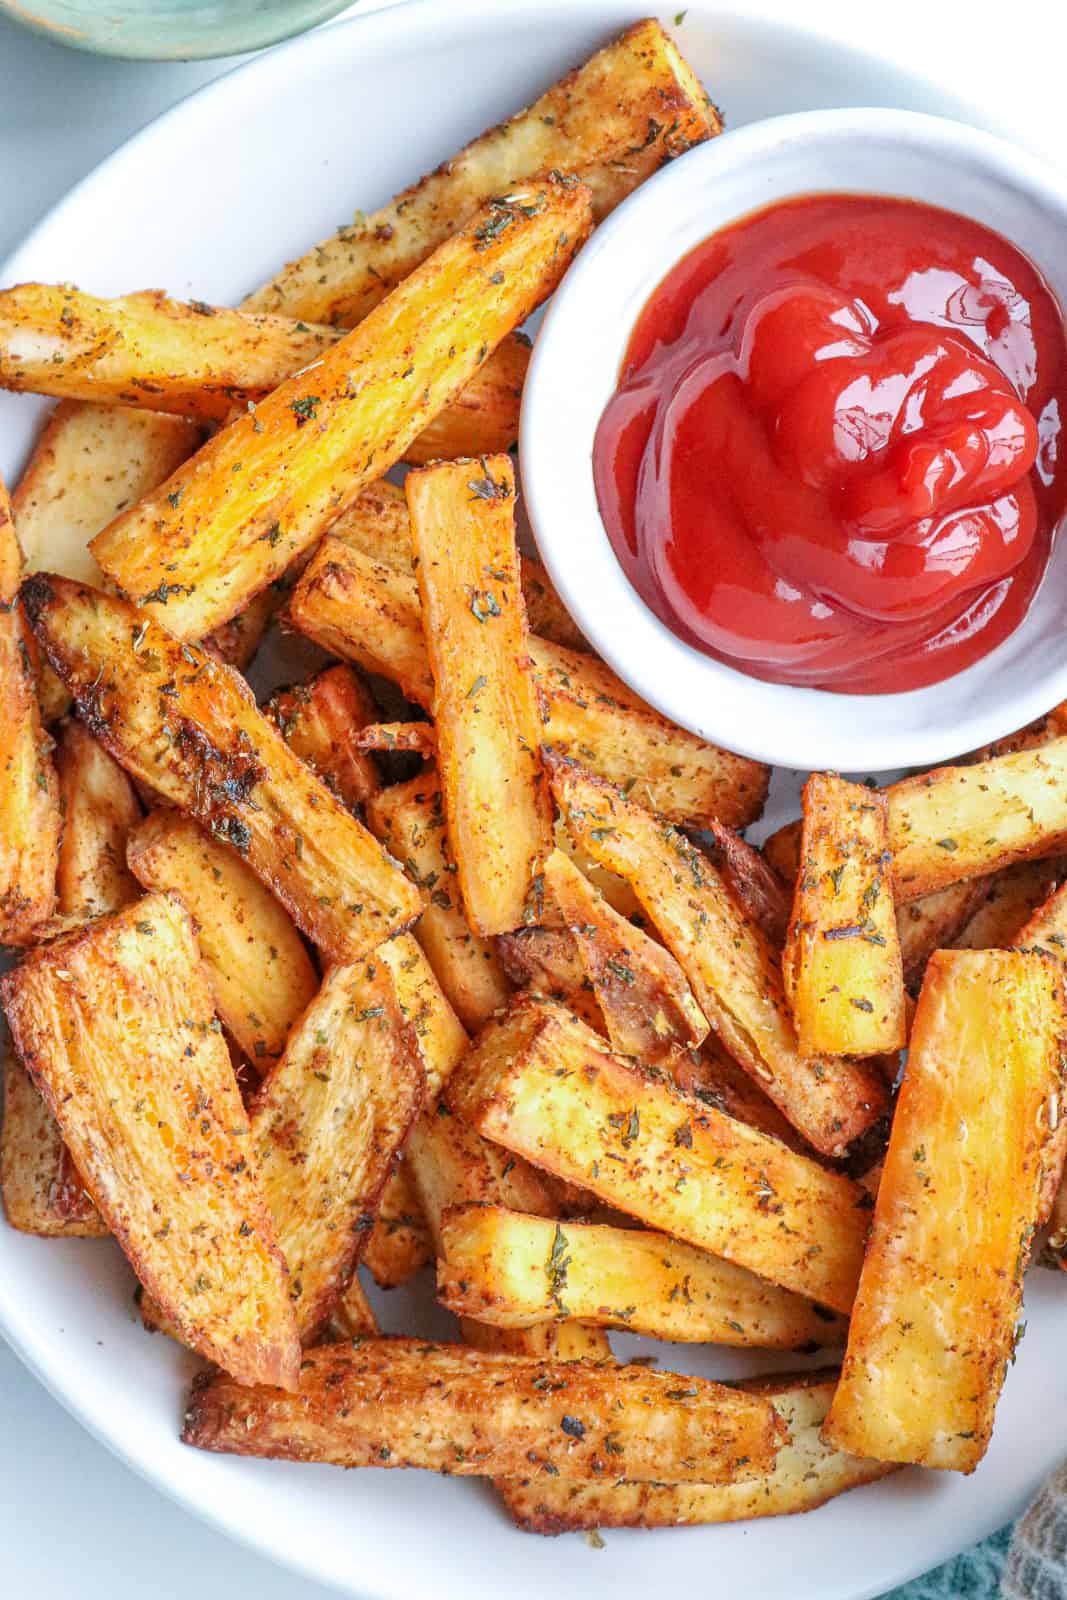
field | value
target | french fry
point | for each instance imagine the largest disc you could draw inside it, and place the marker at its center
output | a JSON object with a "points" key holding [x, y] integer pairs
{"points": [[716, 1080], [439, 1036], [483, 418], [399, 738], [116, 1026], [781, 850], [752, 881], [544, 1085], [734, 972], [146, 350], [514, 1271], [933, 1325], [1012, 897], [353, 1315], [405, 1403], [806, 1474], [30, 819], [647, 1005], [377, 524], [498, 811], [261, 975], [91, 463], [399, 1243], [187, 725], [1046, 932], [320, 721], [451, 1165], [100, 809], [326, 1125], [264, 488], [546, 961], [367, 610], [409, 820], [548, 1341], [842, 965], [934, 922], [614, 121], [41, 1189]]}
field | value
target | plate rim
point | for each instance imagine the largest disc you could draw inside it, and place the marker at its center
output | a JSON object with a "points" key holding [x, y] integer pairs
{"points": [[398, 17]]}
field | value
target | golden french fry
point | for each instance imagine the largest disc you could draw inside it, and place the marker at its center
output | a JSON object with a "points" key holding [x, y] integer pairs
{"points": [[406, 1403], [498, 811], [1012, 897], [117, 1028], [540, 1082], [483, 418], [30, 819], [752, 881], [261, 492], [934, 1321], [377, 525], [807, 1473], [409, 820], [261, 975], [648, 1007], [100, 809], [934, 922], [842, 965], [735, 973], [353, 1315], [546, 961], [41, 1189], [513, 1271], [321, 721], [614, 121], [367, 610], [405, 738], [399, 1244], [187, 725], [327, 1124]]}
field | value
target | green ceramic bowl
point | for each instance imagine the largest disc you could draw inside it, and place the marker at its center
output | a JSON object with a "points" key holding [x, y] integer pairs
{"points": [[170, 30]]}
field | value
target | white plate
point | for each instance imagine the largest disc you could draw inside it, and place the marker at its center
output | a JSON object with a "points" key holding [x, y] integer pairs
{"points": [[246, 173]]}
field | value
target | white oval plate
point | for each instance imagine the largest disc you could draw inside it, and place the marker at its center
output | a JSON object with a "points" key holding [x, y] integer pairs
{"points": [[205, 202]]}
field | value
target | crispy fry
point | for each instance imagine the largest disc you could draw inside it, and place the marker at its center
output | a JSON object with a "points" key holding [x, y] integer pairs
{"points": [[451, 1165], [138, 689], [647, 1005], [547, 961], [751, 880], [498, 811], [934, 1320], [30, 819], [409, 820], [321, 720], [735, 974], [377, 524], [934, 922], [548, 1341], [404, 1403], [613, 121], [100, 808], [483, 418], [514, 1270], [116, 1026], [263, 489], [399, 1243], [806, 1474], [146, 350], [90, 463], [327, 1124], [841, 965], [260, 974], [41, 1189], [412, 738], [439, 1035], [1012, 897], [353, 1315], [367, 610], [540, 1082]]}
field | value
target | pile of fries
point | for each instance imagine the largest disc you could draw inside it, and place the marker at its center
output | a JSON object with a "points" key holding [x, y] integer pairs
{"points": [[495, 981]]}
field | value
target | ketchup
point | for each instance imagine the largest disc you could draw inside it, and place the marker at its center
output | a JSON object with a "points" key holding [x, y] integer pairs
{"points": [[833, 457]]}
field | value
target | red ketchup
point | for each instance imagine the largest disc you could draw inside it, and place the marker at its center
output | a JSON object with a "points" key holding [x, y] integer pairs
{"points": [[833, 457]]}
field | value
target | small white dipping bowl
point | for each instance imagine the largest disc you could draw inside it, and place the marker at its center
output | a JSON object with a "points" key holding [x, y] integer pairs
{"points": [[575, 369]]}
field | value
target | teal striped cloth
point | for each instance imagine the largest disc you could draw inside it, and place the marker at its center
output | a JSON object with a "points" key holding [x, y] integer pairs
{"points": [[974, 1575]]}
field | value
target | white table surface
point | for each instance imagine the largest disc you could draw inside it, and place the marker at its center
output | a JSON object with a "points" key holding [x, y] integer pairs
{"points": [[75, 1524]]}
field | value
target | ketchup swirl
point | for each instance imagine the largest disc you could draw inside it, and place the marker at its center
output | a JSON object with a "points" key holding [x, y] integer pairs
{"points": [[833, 458]]}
